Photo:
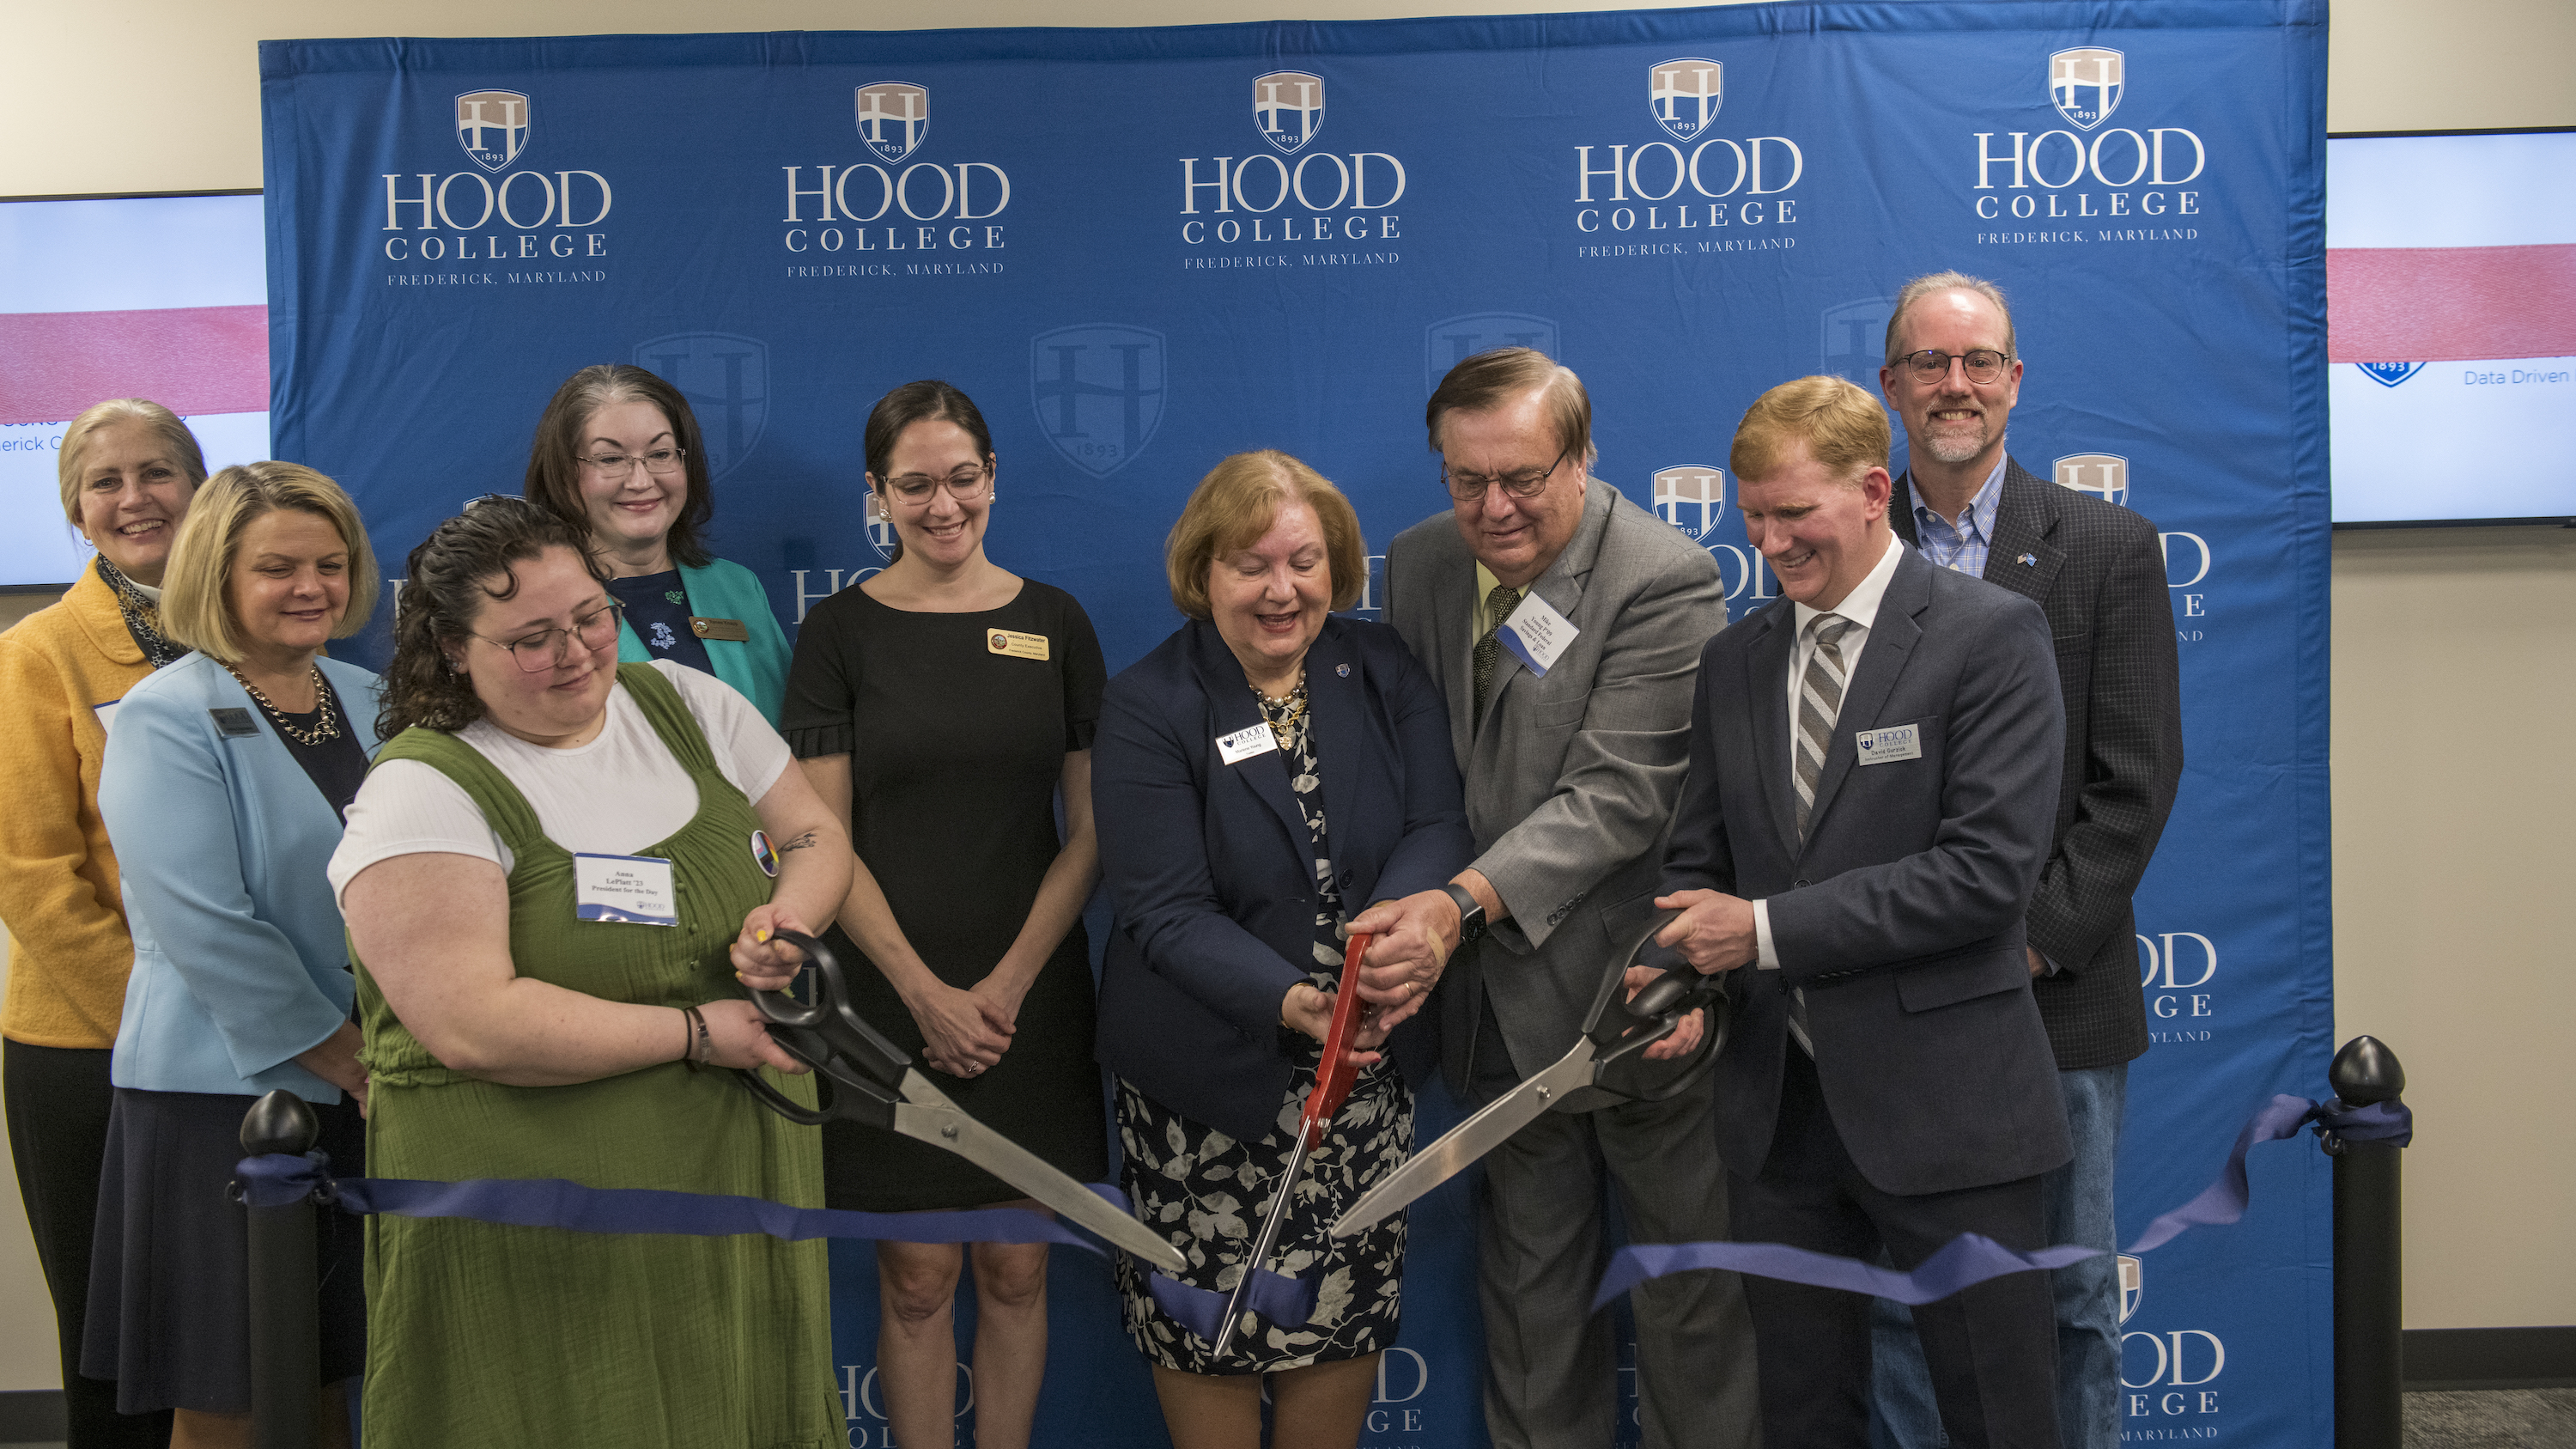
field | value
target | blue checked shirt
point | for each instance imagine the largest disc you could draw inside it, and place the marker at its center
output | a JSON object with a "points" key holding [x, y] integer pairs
{"points": [[1962, 547]]}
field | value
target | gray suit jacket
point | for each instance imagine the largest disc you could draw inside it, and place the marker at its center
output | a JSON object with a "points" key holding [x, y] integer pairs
{"points": [[1900, 913], [1571, 779], [2098, 571]]}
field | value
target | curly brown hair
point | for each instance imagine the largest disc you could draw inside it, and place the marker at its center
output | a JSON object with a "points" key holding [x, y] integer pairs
{"points": [[446, 583]]}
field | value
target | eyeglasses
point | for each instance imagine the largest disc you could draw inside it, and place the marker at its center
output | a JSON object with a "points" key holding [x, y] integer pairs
{"points": [[661, 463], [965, 485], [1526, 483], [1984, 364], [544, 649]]}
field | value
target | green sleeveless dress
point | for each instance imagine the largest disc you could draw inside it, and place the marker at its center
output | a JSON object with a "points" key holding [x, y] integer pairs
{"points": [[483, 1334]]}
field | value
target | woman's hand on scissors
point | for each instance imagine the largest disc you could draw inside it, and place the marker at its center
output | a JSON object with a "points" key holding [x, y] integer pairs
{"points": [[738, 1036], [761, 963], [1309, 1010]]}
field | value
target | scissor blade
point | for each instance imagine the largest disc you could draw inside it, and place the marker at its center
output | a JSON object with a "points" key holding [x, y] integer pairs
{"points": [[1469, 1140], [928, 1116]]}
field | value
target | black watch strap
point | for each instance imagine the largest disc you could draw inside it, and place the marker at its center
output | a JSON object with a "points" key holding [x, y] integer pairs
{"points": [[1471, 914]]}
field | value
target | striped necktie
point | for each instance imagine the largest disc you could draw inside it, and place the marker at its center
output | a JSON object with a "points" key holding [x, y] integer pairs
{"points": [[1820, 700]]}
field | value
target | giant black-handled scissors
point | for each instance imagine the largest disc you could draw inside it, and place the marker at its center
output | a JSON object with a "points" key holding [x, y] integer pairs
{"points": [[864, 1077], [1615, 1031]]}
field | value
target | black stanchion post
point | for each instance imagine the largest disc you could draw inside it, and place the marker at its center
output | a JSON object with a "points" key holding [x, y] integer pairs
{"points": [[2370, 1369], [285, 1316]]}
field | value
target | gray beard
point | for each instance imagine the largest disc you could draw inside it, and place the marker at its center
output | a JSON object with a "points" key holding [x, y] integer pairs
{"points": [[1955, 447]]}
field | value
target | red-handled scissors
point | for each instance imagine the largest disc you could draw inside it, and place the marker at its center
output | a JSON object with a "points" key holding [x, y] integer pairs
{"points": [[1333, 1079]]}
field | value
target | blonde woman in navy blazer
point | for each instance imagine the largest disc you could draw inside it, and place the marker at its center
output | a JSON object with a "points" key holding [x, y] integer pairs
{"points": [[223, 786]]}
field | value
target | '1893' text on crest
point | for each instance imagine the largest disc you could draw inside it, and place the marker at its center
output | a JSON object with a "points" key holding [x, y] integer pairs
{"points": [[1099, 392], [1288, 108], [1691, 497], [492, 127], [1685, 95], [894, 117], [2085, 84]]}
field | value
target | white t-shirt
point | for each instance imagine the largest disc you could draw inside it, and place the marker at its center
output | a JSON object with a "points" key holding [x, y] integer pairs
{"points": [[615, 795]]}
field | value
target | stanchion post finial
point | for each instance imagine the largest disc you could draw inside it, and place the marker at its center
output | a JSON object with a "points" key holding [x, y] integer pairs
{"points": [[280, 1122]]}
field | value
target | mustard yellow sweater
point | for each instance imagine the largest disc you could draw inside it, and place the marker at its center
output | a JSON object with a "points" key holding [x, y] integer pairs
{"points": [[68, 948]]}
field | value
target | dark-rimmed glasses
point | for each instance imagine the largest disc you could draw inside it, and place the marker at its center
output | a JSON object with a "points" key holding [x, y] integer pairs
{"points": [[965, 484], [1524, 483], [543, 650], [1983, 364]]}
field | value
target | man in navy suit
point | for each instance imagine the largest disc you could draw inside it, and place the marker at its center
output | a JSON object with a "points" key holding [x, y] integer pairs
{"points": [[2097, 570], [1873, 779]]}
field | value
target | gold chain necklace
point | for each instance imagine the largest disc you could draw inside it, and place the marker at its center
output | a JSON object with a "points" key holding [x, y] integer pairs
{"points": [[325, 728]]}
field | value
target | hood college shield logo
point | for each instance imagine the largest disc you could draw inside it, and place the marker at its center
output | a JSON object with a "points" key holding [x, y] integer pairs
{"points": [[2132, 1285], [726, 380], [492, 127], [1452, 340], [1098, 388], [1685, 94], [2389, 374], [2085, 84], [1855, 340], [2104, 475], [1691, 497], [894, 118], [1288, 108]]}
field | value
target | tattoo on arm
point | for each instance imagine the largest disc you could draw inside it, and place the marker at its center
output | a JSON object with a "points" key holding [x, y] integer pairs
{"points": [[800, 842]]}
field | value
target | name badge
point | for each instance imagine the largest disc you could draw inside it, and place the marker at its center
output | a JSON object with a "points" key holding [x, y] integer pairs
{"points": [[720, 629], [235, 723], [1243, 744], [1536, 633], [1015, 644], [635, 889], [1896, 742]]}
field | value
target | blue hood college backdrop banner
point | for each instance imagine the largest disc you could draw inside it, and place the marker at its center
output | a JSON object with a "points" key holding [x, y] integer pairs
{"points": [[1140, 250]]}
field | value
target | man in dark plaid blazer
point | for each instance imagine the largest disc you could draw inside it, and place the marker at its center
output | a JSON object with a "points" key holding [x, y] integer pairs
{"points": [[2097, 570]]}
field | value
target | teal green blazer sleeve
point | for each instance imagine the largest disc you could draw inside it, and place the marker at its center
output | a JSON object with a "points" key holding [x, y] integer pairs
{"points": [[755, 667]]}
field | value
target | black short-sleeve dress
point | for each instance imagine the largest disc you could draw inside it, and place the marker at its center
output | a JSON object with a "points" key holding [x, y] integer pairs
{"points": [[957, 739]]}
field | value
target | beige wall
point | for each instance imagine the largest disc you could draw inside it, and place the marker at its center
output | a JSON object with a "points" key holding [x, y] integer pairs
{"points": [[2451, 647]]}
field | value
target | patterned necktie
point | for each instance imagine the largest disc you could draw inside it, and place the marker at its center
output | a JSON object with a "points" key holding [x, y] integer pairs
{"points": [[1820, 699], [1489, 650]]}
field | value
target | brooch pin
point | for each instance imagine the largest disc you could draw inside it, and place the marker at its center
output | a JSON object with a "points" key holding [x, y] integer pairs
{"points": [[2029, 559]]}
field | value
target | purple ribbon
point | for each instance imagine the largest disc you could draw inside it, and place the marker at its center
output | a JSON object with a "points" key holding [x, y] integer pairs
{"points": [[1969, 1259], [279, 1180]]}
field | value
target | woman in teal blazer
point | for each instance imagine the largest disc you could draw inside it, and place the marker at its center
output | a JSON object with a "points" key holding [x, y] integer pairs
{"points": [[222, 788], [618, 455]]}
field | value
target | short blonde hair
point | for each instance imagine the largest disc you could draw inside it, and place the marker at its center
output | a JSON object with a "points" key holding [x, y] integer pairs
{"points": [[1841, 426], [73, 460], [1237, 502], [196, 606]]}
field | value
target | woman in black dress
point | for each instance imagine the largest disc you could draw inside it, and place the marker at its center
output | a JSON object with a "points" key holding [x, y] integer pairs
{"points": [[944, 704]]}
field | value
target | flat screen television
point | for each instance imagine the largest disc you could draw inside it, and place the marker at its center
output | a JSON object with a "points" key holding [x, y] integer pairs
{"points": [[2451, 325], [164, 297]]}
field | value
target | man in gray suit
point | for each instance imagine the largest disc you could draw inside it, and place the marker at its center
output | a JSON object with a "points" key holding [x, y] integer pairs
{"points": [[1564, 623], [1873, 778]]}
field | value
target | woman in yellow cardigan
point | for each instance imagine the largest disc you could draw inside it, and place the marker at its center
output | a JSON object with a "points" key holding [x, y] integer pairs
{"points": [[128, 469]]}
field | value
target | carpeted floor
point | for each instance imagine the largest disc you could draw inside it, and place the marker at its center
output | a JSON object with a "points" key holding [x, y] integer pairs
{"points": [[2491, 1419]]}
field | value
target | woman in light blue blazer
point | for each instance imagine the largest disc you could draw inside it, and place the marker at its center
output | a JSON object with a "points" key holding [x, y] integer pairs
{"points": [[618, 455], [223, 785]]}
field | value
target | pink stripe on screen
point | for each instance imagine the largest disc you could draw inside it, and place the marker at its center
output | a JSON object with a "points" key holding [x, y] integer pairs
{"points": [[2450, 304], [188, 359]]}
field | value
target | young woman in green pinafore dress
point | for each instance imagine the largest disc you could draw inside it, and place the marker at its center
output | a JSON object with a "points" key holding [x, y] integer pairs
{"points": [[514, 1032]]}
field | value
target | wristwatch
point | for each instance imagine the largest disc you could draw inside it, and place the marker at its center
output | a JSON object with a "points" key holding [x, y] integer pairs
{"points": [[1471, 914]]}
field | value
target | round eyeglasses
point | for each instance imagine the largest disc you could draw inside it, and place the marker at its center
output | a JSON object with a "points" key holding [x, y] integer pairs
{"points": [[1982, 364], [543, 650], [965, 485], [1520, 483]]}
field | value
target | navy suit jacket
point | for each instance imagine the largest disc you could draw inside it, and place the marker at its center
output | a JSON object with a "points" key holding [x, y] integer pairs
{"points": [[1901, 913], [1212, 872]]}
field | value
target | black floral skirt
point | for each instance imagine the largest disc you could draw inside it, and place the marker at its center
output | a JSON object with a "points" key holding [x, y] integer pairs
{"points": [[1208, 1193]]}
